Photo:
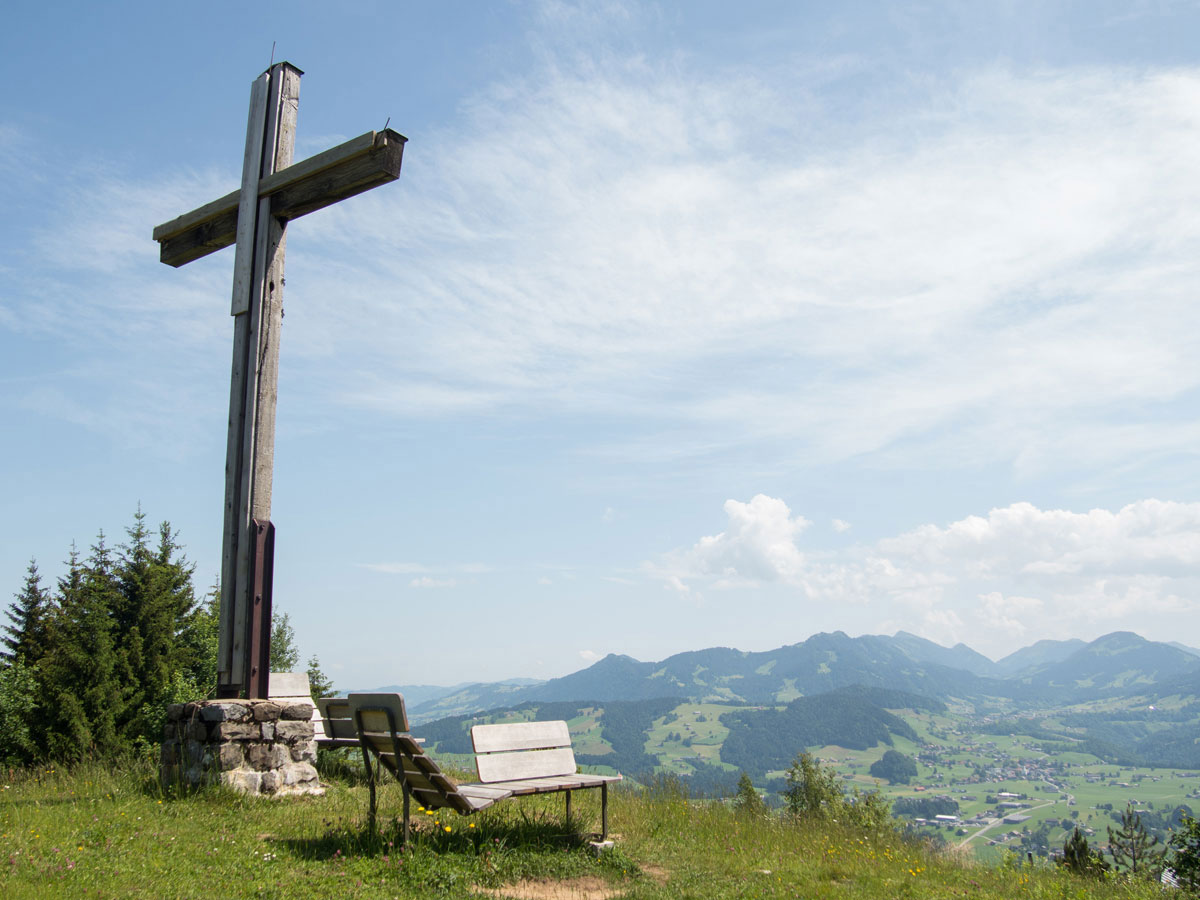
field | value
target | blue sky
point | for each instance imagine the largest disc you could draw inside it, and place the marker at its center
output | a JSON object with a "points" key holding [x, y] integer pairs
{"points": [[685, 325]]}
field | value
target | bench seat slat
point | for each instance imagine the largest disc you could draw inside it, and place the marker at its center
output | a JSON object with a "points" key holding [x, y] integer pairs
{"points": [[486, 791], [541, 785], [457, 802], [563, 783]]}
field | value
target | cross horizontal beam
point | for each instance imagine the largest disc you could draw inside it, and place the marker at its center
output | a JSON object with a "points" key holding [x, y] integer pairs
{"points": [[358, 165]]}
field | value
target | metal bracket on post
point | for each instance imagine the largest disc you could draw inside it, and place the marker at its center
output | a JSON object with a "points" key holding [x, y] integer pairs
{"points": [[258, 663]]}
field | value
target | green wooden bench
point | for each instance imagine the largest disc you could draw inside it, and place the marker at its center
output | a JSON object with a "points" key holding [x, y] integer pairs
{"points": [[512, 760]]}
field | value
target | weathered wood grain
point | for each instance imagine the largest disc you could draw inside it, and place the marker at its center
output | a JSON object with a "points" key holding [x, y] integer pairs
{"points": [[506, 736], [526, 764], [364, 162], [370, 707], [260, 372]]}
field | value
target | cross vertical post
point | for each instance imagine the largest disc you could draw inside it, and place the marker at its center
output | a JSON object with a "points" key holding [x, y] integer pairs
{"points": [[255, 217], [257, 308]]}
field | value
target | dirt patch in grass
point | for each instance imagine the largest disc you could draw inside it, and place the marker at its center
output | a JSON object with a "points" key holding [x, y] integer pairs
{"points": [[586, 888], [658, 873]]}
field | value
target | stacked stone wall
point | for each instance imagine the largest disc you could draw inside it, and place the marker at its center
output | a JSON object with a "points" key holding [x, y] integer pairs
{"points": [[254, 746]]}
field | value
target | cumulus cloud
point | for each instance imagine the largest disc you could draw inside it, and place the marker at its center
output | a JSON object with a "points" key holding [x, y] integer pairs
{"points": [[1016, 571], [759, 544], [589, 655], [841, 526]]}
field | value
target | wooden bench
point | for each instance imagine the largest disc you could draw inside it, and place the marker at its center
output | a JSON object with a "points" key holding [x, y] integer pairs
{"points": [[512, 759], [535, 758]]}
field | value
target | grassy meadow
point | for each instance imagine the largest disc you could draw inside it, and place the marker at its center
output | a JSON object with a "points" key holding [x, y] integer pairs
{"points": [[109, 831]]}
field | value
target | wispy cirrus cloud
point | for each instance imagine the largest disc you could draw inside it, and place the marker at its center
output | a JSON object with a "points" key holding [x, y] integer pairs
{"points": [[954, 289], [998, 268]]}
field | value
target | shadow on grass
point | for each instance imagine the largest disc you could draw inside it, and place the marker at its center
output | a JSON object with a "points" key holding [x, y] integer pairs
{"points": [[448, 834]]}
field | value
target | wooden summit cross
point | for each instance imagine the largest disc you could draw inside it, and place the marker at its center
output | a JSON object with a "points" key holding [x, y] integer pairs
{"points": [[255, 218]]}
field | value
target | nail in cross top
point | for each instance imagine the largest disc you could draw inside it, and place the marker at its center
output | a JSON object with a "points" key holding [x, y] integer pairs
{"points": [[254, 218]]}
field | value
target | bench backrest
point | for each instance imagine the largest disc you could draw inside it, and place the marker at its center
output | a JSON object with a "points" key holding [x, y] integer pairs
{"points": [[379, 712], [512, 751], [383, 724], [336, 722]]}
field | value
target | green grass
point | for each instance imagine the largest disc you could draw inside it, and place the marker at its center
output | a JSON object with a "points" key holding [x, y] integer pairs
{"points": [[101, 831]]}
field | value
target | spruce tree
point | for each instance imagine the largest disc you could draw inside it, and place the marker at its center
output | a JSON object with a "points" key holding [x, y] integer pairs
{"points": [[318, 683], [747, 799], [25, 638], [18, 712], [80, 685], [1132, 847], [155, 599], [1080, 858]]}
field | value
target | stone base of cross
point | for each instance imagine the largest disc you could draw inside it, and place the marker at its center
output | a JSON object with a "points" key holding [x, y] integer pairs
{"points": [[255, 217]]}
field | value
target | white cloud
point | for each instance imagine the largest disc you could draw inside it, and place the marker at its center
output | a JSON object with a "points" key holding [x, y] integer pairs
{"points": [[1030, 571], [601, 265], [1006, 297], [426, 581], [1008, 613], [397, 568], [589, 655], [758, 545], [414, 568], [841, 526]]}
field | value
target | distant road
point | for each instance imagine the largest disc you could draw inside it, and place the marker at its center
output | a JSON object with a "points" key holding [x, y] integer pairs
{"points": [[1000, 821]]}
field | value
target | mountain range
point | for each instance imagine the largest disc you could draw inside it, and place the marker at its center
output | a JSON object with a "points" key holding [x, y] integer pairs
{"points": [[1069, 671]]}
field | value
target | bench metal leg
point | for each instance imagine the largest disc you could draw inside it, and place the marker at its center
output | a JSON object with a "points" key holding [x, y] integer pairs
{"points": [[604, 811], [568, 793], [407, 795], [370, 788]]}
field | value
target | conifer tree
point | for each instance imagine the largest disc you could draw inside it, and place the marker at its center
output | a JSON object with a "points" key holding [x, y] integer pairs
{"points": [[747, 799], [318, 683], [155, 599], [1080, 858], [82, 693], [25, 638], [1132, 847], [18, 691]]}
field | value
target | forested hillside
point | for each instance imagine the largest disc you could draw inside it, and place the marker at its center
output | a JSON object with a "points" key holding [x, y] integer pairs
{"points": [[762, 740]]}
